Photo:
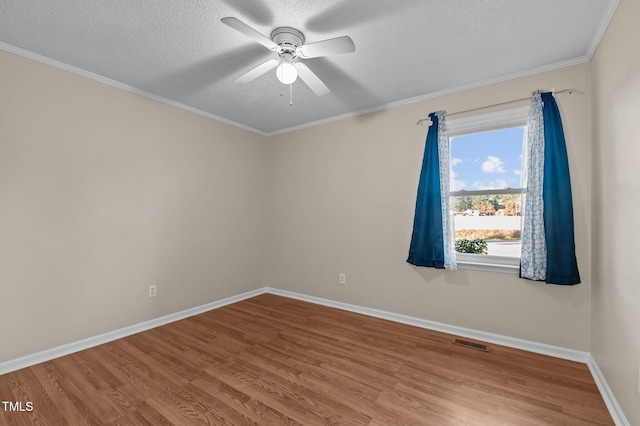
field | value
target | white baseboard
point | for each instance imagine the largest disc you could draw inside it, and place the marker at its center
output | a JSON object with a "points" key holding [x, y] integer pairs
{"points": [[498, 339], [609, 399], [49, 354], [541, 348], [527, 345]]}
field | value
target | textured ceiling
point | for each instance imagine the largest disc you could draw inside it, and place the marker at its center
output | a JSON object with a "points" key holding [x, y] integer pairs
{"points": [[180, 52]]}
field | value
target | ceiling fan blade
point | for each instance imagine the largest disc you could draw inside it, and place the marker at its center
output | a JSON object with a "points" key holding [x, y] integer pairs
{"points": [[256, 72], [240, 26], [311, 80], [333, 46]]}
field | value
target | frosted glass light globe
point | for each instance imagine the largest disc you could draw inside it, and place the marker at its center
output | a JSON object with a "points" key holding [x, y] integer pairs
{"points": [[286, 72]]}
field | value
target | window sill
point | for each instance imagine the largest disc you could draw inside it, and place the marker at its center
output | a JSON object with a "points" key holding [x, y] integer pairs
{"points": [[483, 262]]}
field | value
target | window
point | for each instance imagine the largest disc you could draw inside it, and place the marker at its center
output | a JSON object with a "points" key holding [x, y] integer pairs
{"points": [[486, 188]]}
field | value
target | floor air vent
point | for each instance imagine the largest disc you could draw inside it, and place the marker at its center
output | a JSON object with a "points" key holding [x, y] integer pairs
{"points": [[472, 345]]}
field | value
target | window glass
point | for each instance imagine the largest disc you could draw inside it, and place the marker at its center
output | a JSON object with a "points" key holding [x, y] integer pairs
{"points": [[486, 185], [487, 160]]}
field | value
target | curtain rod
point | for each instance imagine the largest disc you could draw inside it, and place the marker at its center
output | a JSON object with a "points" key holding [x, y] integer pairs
{"points": [[422, 120]]}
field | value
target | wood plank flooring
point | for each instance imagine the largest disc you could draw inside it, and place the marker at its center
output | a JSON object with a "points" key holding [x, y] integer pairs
{"points": [[273, 360]]}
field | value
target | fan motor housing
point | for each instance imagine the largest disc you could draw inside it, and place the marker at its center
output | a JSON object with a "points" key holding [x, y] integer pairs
{"points": [[288, 38]]}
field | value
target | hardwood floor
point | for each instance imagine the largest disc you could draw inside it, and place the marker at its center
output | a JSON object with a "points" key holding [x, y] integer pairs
{"points": [[274, 360]]}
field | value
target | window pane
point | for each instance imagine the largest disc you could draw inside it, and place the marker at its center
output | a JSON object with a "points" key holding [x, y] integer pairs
{"points": [[488, 160], [488, 224]]}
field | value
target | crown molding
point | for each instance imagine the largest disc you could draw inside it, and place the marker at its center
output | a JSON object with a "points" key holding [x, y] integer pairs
{"points": [[122, 86], [612, 6]]}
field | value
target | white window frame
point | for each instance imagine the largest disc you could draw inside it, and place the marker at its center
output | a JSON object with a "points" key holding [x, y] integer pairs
{"points": [[514, 117]]}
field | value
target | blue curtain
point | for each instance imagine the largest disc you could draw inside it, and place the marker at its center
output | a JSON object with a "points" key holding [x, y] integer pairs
{"points": [[562, 267], [427, 243]]}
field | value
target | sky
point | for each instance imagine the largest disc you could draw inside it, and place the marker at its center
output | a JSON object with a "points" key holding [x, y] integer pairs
{"points": [[488, 160]]}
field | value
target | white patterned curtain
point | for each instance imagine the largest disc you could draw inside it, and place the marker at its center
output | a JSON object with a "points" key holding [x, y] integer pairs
{"points": [[533, 260], [445, 192]]}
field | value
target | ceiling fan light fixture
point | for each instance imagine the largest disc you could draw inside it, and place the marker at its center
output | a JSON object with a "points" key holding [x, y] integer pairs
{"points": [[290, 46], [286, 70]]}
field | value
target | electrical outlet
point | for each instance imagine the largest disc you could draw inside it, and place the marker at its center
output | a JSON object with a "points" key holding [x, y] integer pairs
{"points": [[342, 279], [152, 291]]}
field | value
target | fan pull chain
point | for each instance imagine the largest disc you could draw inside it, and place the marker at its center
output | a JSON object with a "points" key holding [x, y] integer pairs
{"points": [[291, 94]]}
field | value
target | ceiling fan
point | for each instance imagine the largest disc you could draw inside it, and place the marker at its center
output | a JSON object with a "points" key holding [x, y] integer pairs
{"points": [[288, 43]]}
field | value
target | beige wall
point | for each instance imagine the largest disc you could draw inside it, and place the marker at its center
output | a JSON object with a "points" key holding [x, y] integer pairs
{"points": [[342, 198], [102, 193], [616, 270]]}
